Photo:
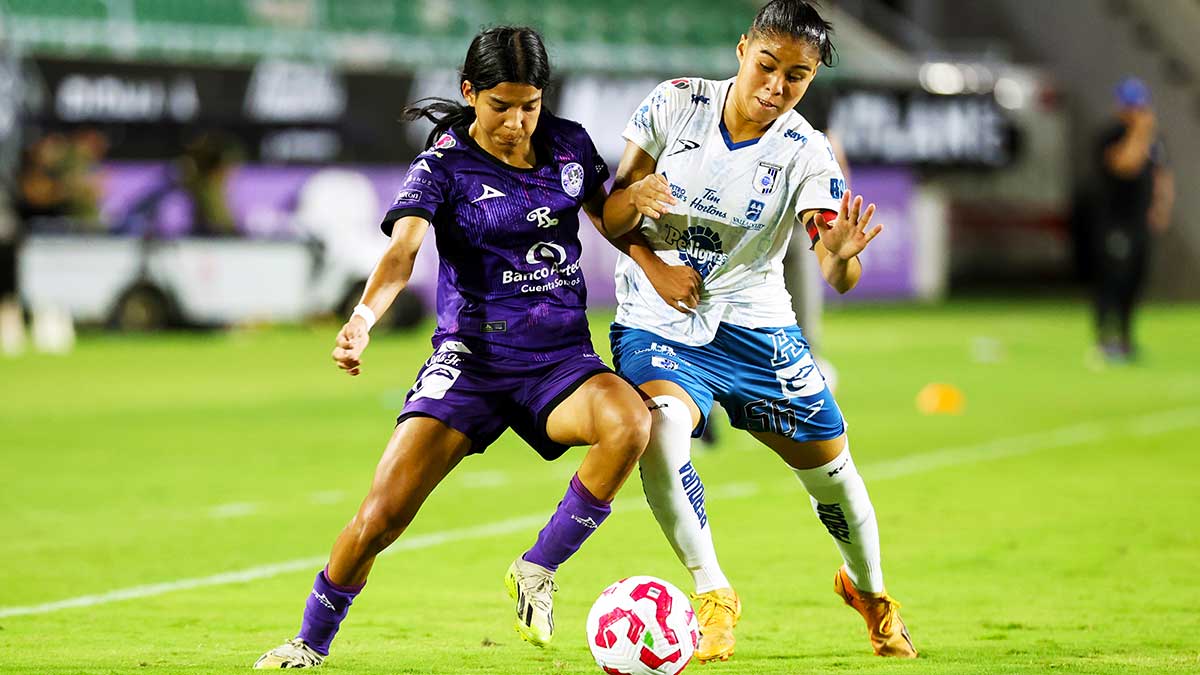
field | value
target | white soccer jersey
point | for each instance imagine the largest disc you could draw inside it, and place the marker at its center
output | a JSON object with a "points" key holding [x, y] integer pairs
{"points": [[737, 206]]}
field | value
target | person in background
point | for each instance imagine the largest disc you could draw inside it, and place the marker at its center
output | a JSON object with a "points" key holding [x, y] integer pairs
{"points": [[1134, 203], [12, 321]]}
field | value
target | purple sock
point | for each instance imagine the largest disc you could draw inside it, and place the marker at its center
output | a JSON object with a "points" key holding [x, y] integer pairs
{"points": [[323, 613], [577, 517]]}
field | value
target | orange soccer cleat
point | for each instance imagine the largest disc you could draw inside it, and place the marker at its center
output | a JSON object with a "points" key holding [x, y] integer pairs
{"points": [[889, 636], [718, 613]]}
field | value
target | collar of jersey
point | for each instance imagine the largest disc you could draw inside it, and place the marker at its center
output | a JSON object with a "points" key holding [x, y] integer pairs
{"points": [[725, 130], [463, 132], [729, 140]]}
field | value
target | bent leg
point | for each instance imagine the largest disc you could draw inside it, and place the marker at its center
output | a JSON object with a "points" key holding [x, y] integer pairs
{"points": [[608, 415], [675, 494], [673, 487], [839, 499], [421, 452]]}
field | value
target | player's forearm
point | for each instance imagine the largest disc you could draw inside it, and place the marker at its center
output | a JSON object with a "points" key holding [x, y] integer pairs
{"points": [[1129, 156], [635, 245], [620, 215], [387, 280], [842, 275]]}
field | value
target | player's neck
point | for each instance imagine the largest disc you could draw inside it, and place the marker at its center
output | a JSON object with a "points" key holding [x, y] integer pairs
{"points": [[519, 156], [740, 127]]}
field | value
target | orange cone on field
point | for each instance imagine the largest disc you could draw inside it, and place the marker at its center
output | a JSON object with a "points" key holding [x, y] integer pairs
{"points": [[937, 398]]}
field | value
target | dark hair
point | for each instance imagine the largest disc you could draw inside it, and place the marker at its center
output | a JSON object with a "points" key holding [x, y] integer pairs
{"points": [[796, 19], [496, 55]]}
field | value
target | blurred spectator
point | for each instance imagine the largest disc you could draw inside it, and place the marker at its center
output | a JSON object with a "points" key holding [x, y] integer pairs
{"points": [[1134, 203], [191, 196], [60, 179], [204, 170], [12, 325]]}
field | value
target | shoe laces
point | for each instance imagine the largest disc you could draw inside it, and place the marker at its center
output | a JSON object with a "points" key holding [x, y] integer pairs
{"points": [[304, 653], [886, 608], [711, 605], [538, 587]]}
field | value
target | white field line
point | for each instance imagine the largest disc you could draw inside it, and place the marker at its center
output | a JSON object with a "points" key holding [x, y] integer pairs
{"points": [[233, 510], [1075, 434], [407, 543]]}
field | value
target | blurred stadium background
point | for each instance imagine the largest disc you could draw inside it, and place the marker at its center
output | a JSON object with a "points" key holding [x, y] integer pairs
{"points": [[223, 164]]}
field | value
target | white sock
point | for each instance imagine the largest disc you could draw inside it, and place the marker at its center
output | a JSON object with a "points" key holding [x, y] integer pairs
{"points": [[676, 494], [839, 498]]}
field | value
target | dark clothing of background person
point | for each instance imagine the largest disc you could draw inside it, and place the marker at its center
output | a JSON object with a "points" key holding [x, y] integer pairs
{"points": [[1121, 242]]}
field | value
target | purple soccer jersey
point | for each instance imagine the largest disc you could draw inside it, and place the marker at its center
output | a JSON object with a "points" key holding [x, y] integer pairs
{"points": [[509, 281]]}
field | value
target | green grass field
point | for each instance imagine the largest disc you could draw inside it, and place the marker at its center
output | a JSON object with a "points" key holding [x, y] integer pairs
{"points": [[1051, 527]]}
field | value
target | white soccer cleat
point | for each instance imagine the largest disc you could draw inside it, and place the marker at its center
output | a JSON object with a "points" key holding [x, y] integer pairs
{"points": [[294, 653], [532, 587]]}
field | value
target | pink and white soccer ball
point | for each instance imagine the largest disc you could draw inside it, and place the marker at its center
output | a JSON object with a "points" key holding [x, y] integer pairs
{"points": [[642, 626]]}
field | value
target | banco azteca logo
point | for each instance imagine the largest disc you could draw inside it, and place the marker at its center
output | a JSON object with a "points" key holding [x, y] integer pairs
{"points": [[546, 253], [701, 249]]}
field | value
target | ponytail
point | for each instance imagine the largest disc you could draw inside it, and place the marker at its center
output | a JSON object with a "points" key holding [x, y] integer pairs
{"points": [[443, 112]]}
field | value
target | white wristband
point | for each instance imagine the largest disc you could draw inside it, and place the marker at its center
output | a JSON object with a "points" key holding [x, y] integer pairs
{"points": [[366, 314]]}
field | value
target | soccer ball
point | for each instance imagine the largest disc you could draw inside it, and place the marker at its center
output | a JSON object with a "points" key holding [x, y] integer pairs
{"points": [[642, 626]]}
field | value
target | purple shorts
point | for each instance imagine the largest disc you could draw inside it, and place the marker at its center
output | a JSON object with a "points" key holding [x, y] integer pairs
{"points": [[481, 395]]}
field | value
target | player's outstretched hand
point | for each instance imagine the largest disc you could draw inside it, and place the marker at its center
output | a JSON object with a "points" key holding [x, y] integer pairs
{"points": [[678, 286], [651, 195], [351, 341], [847, 236]]}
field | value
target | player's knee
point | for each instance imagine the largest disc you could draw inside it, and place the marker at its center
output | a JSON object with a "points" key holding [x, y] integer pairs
{"points": [[378, 524], [670, 415], [625, 429], [669, 447], [838, 481]]}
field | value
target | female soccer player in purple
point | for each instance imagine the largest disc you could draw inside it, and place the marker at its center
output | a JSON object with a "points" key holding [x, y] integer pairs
{"points": [[501, 184]]}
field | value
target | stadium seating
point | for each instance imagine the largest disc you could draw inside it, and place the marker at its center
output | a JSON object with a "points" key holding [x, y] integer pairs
{"points": [[410, 32]]}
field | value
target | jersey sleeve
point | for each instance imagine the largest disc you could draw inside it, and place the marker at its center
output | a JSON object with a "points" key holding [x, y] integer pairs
{"points": [[651, 122], [821, 184], [426, 187], [594, 167]]}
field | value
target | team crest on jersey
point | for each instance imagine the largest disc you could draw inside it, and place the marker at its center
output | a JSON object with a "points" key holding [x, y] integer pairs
{"points": [[444, 142], [572, 179], [766, 177]]}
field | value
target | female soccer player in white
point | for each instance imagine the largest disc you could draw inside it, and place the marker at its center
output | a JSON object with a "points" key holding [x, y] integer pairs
{"points": [[717, 172]]}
